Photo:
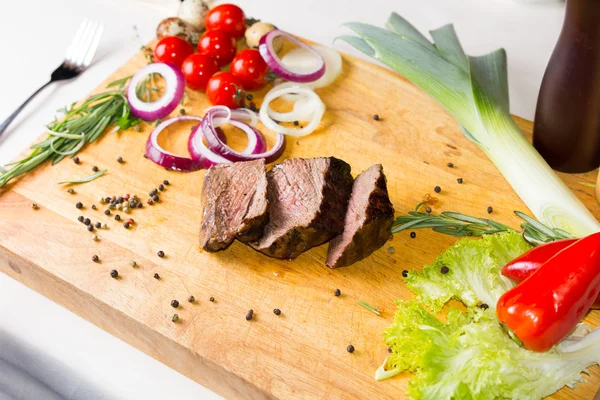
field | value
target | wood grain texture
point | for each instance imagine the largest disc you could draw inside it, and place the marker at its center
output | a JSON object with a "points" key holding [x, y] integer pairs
{"points": [[302, 352]]}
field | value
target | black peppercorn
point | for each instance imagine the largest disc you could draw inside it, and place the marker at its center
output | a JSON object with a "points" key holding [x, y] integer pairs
{"points": [[428, 210], [337, 292], [140, 205], [413, 235], [212, 299], [376, 117], [296, 123], [87, 221], [126, 225], [191, 299], [145, 156], [79, 205], [120, 199], [106, 212], [90, 227], [459, 180], [76, 160], [174, 303], [350, 349], [93, 206], [490, 210], [405, 274], [114, 273], [160, 253], [389, 349], [444, 270], [98, 225], [108, 199], [437, 189], [95, 169], [150, 201], [80, 218], [153, 192], [249, 97], [249, 315], [277, 311], [95, 258], [155, 198], [450, 165], [156, 276], [161, 187], [484, 306], [117, 217], [166, 182], [119, 159]]}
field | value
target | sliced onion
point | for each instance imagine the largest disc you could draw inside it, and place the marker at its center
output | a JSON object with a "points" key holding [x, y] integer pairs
{"points": [[268, 53], [169, 160], [313, 102], [301, 58], [207, 126], [160, 108]]}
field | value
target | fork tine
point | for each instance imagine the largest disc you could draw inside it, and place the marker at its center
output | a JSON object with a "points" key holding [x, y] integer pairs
{"points": [[93, 47], [85, 44], [76, 40]]}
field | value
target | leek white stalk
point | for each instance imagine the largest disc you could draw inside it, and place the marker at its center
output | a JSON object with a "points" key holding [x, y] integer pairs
{"points": [[474, 90]]}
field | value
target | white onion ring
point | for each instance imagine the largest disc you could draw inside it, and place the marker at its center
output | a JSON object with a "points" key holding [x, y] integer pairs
{"points": [[175, 85], [316, 104], [268, 53], [301, 58]]}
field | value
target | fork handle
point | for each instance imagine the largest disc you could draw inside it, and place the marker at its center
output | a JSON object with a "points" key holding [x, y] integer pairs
{"points": [[12, 116]]}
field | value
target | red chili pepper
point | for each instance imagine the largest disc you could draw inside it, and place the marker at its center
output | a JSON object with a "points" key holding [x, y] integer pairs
{"points": [[526, 264], [544, 308]]}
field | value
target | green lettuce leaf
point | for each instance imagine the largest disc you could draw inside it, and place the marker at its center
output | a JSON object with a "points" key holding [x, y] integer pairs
{"points": [[470, 357], [473, 272]]}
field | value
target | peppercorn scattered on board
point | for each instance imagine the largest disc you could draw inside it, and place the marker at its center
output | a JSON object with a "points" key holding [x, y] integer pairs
{"points": [[302, 351]]}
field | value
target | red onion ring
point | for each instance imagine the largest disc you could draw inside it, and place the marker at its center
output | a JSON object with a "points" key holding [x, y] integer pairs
{"points": [[172, 161], [268, 53], [217, 146], [175, 85]]}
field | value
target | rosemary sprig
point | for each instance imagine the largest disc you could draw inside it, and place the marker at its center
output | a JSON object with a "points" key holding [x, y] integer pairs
{"points": [[80, 125], [457, 224], [86, 179], [369, 307]]}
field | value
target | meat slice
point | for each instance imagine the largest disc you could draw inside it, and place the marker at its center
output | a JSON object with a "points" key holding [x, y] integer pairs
{"points": [[234, 197], [307, 204], [368, 220]]}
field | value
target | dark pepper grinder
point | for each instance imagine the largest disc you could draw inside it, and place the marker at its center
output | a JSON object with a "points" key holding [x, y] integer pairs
{"points": [[567, 119]]}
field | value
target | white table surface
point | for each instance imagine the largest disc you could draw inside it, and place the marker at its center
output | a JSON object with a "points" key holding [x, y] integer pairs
{"points": [[34, 35]]}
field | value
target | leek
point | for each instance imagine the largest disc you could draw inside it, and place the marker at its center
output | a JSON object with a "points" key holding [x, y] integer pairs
{"points": [[474, 90]]}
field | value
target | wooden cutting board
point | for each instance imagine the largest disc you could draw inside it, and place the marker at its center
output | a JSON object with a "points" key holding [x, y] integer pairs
{"points": [[301, 353]]}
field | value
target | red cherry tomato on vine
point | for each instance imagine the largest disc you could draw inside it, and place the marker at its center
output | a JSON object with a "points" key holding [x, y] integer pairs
{"points": [[228, 18], [250, 68], [223, 90], [218, 45], [172, 49], [197, 70]]}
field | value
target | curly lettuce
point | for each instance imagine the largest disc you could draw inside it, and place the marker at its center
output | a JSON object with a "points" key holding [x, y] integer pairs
{"points": [[468, 355]]}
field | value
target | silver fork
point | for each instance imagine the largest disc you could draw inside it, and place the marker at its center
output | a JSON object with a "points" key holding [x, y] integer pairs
{"points": [[79, 56]]}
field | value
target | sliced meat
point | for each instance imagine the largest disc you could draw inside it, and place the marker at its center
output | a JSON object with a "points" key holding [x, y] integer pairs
{"points": [[307, 204], [368, 220], [234, 197]]}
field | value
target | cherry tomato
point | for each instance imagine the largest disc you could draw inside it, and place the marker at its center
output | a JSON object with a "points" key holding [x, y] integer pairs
{"points": [[172, 49], [250, 68], [222, 90], [228, 18], [197, 70], [218, 45]]}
